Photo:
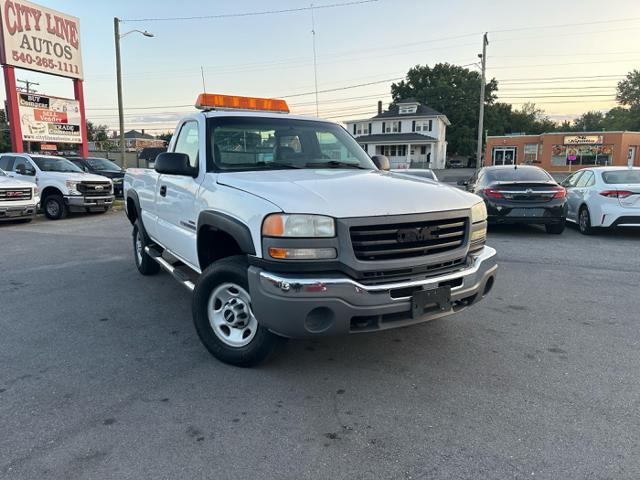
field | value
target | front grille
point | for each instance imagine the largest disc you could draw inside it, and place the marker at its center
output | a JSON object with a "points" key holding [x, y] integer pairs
{"points": [[412, 273], [408, 240], [94, 189], [15, 194]]}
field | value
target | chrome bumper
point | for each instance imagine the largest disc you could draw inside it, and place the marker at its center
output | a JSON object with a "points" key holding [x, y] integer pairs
{"points": [[88, 202], [309, 305]]}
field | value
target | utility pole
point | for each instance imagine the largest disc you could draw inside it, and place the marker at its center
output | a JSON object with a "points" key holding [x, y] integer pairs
{"points": [[27, 89], [116, 32], [315, 62], [483, 56]]}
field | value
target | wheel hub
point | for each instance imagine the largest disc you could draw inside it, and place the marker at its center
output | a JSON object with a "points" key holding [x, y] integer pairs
{"points": [[230, 315]]}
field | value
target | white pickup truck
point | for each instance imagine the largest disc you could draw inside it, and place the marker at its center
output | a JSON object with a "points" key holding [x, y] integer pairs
{"points": [[18, 200], [63, 186], [284, 227]]}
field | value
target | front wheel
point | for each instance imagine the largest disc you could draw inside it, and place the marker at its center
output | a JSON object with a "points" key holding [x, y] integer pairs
{"points": [[224, 318], [555, 228], [54, 207]]}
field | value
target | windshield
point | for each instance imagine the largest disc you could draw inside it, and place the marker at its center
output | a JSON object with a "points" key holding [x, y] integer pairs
{"points": [[242, 143], [50, 164], [517, 175], [621, 176], [103, 164]]}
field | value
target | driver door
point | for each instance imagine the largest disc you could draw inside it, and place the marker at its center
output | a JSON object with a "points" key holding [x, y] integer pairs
{"points": [[176, 198], [23, 170]]}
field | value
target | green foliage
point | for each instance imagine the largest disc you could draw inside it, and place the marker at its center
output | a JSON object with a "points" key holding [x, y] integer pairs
{"points": [[628, 91], [5, 139], [97, 133]]}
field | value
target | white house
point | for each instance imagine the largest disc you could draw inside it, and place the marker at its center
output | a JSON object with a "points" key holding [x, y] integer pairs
{"points": [[409, 134]]}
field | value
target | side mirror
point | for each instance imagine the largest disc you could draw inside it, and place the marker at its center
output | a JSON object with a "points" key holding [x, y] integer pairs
{"points": [[172, 163], [463, 183], [381, 162]]}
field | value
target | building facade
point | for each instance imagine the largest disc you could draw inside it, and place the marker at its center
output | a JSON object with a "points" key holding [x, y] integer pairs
{"points": [[565, 152], [409, 134]]}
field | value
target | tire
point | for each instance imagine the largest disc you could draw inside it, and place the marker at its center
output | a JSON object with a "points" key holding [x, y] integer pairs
{"points": [[222, 315], [584, 221], [555, 228], [54, 207], [144, 263]]}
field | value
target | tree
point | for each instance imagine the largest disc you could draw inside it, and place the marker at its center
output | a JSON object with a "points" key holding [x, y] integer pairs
{"points": [[628, 91], [96, 133], [590, 121], [452, 90], [5, 138], [165, 136]]}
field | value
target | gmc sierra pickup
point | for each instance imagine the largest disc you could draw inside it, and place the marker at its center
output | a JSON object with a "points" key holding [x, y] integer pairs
{"points": [[283, 226]]}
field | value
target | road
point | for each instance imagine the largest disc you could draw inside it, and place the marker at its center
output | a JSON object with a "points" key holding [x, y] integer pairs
{"points": [[102, 375]]}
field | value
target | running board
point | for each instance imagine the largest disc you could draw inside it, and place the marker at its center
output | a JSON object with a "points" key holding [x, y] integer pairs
{"points": [[177, 274]]}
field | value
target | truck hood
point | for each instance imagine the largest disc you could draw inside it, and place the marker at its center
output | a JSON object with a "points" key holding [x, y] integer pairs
{"points": [[8, 182], [75, 176], [353, 193]]}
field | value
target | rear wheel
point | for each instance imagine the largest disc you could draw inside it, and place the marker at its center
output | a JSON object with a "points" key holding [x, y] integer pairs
{"points": [[584, 221], [54, 207], [224, 318], [555, 228], [144, 263]]}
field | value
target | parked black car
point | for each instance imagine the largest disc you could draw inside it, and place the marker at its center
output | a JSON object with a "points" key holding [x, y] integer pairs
{"points": [[520, 194], [104, 167]]}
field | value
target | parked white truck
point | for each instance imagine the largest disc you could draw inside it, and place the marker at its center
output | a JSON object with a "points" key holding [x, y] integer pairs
{"points": [[18, 200], [64, 187], [284, 227]]}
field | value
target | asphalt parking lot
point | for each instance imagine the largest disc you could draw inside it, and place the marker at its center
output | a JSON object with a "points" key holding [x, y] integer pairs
{"points": [[102, 375]]}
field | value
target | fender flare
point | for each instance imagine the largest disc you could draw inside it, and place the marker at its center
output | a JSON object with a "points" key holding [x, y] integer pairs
{"points": [[133, 195], [232, 226]]}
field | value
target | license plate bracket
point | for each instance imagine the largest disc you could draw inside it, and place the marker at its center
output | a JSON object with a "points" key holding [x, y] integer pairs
{"points": [[434, 299]]}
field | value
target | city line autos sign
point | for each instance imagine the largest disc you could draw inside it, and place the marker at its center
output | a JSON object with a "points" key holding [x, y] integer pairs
{"points": [[49, 119], [38, 38]]}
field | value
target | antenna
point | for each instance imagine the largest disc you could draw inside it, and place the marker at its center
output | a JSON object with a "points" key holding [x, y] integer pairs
{"points": [[204, 87], [315, 63]]}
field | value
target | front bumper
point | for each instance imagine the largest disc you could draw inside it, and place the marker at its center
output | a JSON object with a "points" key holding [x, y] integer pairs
{"points": [[78, 202], [300, 306], [18, 212]]}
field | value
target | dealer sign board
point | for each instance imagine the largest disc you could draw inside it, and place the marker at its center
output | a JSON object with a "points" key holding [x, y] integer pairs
{"points": [[38, 38], [49, 119]]}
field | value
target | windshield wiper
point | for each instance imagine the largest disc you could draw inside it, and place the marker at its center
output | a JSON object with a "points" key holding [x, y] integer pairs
{"points": [[336, 164], [276, 164]]}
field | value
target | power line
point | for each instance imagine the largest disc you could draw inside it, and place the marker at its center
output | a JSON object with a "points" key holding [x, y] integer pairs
{"points": [[341, 88], [538, 27], [251, 14]]}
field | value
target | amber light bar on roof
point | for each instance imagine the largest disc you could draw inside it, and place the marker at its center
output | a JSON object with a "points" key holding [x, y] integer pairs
{"points": [[213, 100]]}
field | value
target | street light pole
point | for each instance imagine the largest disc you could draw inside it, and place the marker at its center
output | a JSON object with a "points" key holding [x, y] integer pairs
{"points": [[118, 37], [116, 32], [483, 56]]}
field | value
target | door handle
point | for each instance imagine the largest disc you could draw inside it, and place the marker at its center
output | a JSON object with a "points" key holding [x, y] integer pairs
{"points": [[163, 190]]}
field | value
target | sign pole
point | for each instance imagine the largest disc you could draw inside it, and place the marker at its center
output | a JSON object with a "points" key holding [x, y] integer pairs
{"points": [[79, 96], [13, 116]]}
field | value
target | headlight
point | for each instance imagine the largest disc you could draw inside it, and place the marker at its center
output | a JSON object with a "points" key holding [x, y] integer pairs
{"points": [[478, 212], [36, 191], [72, 186], [300, 226]]}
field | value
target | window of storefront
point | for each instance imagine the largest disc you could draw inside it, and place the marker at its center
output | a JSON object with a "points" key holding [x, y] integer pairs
{"points": [[531, 154], [581, 155], [504, 155]]}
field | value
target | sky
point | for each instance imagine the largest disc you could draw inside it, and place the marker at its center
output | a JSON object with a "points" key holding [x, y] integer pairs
{"points": [[565, 55]]}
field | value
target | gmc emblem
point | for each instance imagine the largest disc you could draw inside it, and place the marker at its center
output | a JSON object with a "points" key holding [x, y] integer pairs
{"points": [[412, 235], [14, 194]]}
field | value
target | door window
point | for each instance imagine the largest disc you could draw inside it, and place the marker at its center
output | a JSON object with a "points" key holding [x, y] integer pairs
{"points": [[22, 166], [585, 179], [188, 142], [572, 180], [504, 156], [6, 162]]}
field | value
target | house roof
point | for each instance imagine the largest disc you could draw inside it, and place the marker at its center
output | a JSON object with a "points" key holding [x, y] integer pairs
{"points": [[422, 110], [395, 137], [137, 134]]}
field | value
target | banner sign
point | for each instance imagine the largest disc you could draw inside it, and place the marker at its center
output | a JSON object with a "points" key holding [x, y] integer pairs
{"points": [[583, 139], [41, 39], [49, 119]]}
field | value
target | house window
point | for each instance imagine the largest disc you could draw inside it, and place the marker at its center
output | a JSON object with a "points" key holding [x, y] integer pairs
{"points": [[362, 129], [424, 125], [407, 109], [392, 127], [394, 150], [531, 154]]}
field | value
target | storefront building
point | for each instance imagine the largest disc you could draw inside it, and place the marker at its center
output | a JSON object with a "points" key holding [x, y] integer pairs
{"points": [[565, 152]]}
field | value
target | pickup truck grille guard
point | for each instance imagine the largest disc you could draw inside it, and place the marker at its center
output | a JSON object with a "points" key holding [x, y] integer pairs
{"points": [[15, 194]]}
